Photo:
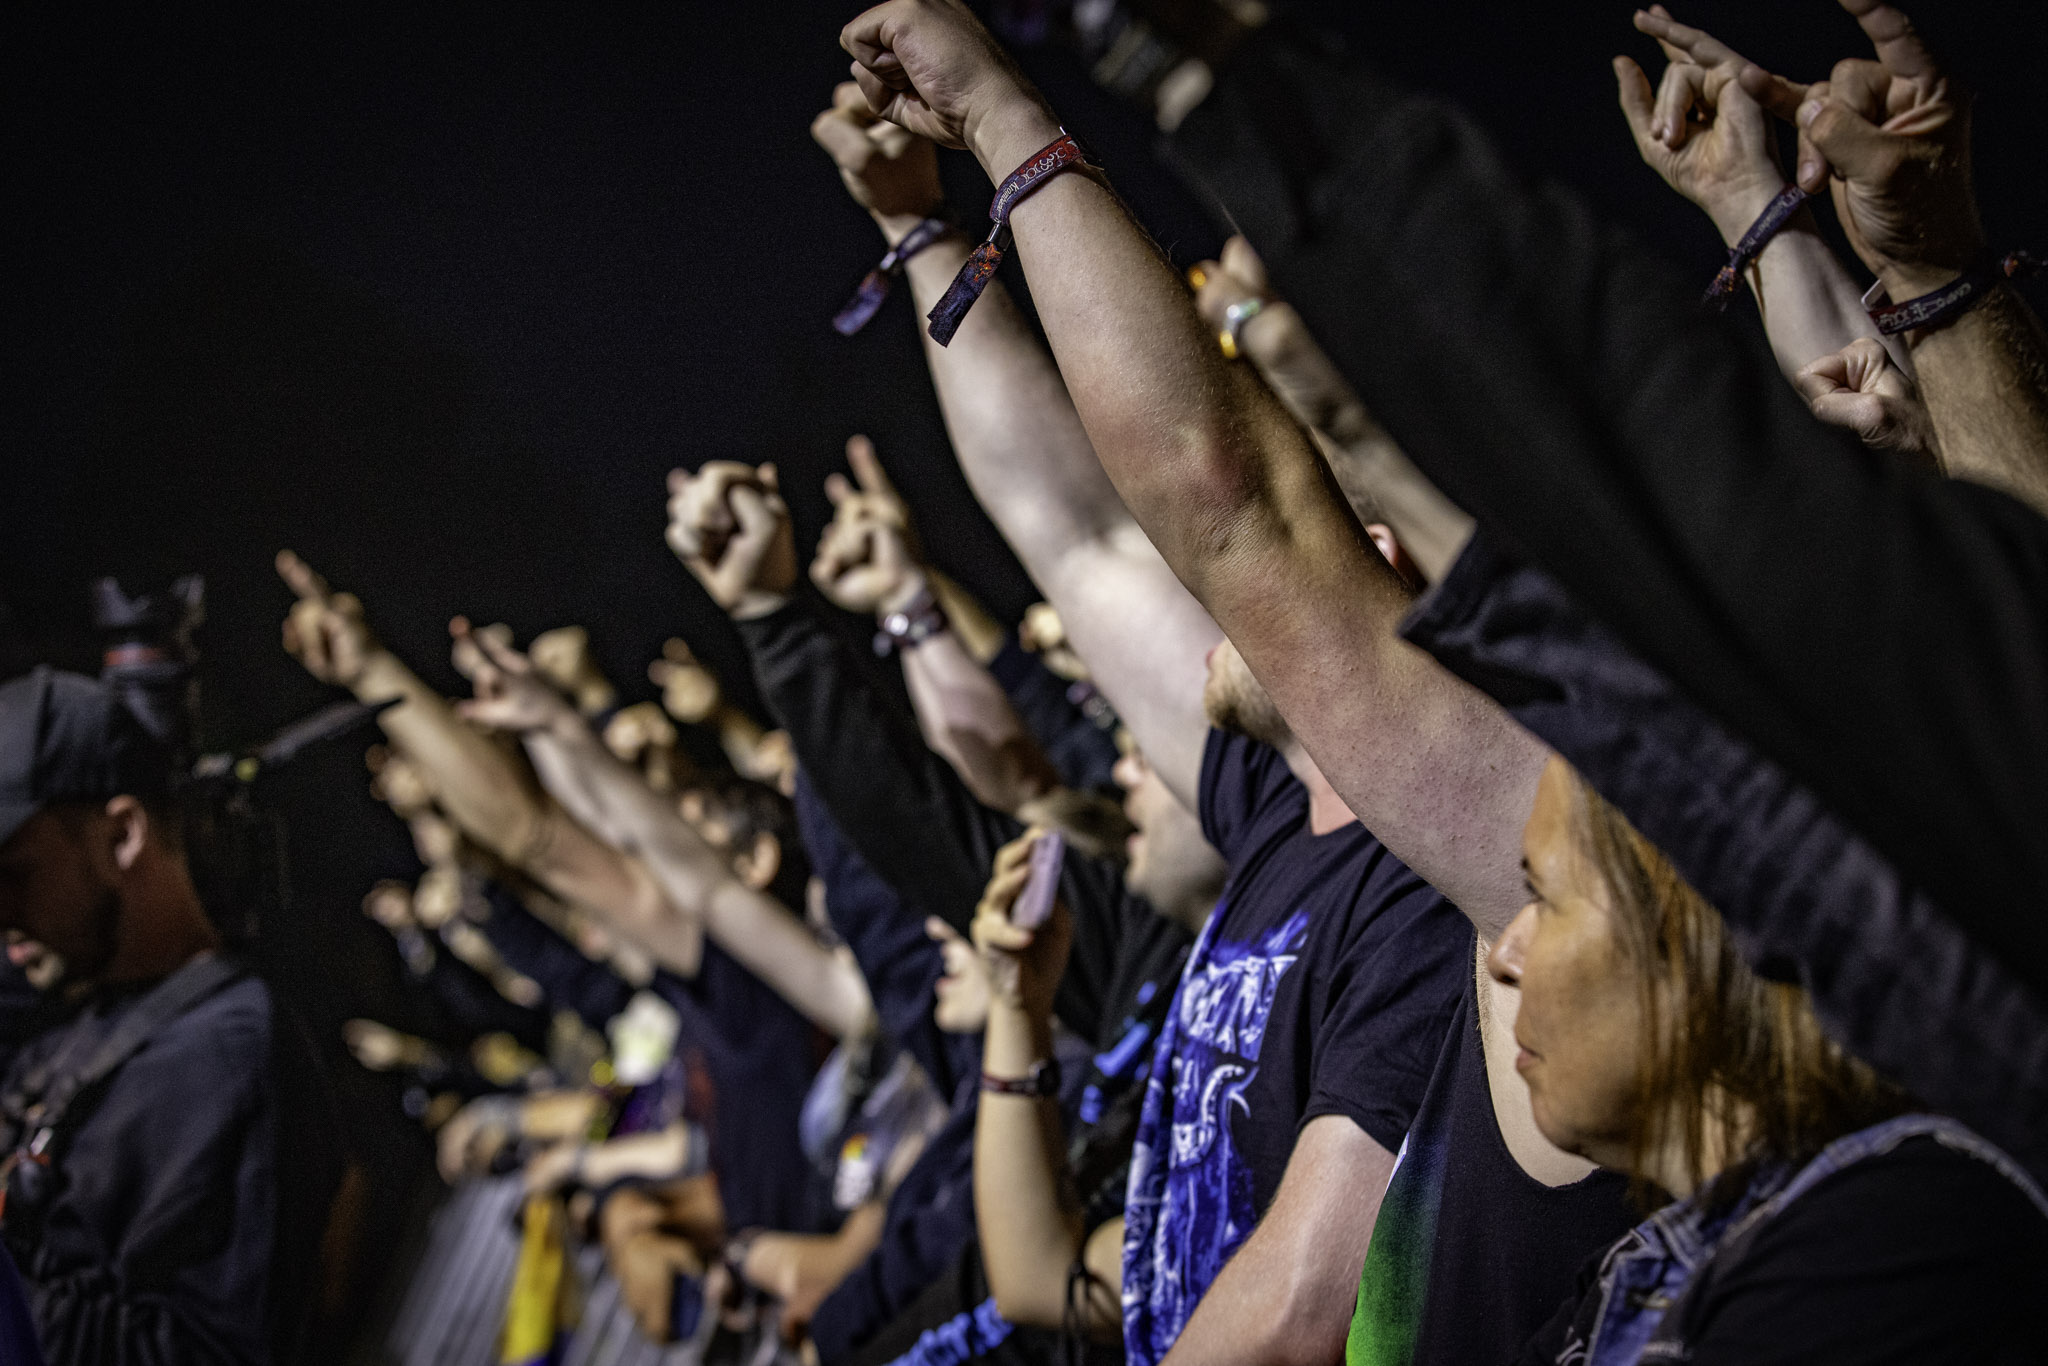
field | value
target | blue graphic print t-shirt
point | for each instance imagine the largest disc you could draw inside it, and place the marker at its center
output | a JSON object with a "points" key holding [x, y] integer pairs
{"points": [[1323, 984]]}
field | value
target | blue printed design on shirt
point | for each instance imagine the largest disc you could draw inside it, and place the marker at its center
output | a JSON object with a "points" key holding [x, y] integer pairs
{"points": [[962, 1338], [1190, 1202]]}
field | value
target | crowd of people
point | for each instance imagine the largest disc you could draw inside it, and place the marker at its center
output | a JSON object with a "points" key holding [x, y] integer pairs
{"points": [[1515, 835]]}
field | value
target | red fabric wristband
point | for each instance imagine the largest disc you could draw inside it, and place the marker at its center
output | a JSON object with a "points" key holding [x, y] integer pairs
{"points": [[1062, 154]]}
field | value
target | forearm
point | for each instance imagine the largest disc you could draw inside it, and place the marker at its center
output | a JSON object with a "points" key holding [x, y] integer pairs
{"points": [[977, 630], [967, 719], [1233, 494], [1031, 465], [480, 787], [1029, 1228], [1810, 305], [1286, 1297], [770, 941], [1984, 378]]}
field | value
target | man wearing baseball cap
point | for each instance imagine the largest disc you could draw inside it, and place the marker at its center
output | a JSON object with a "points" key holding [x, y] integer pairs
{"points": [[162, 1196]]}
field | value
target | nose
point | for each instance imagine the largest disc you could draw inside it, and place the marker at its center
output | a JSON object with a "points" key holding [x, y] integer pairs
{"points": [[1504, 959]]}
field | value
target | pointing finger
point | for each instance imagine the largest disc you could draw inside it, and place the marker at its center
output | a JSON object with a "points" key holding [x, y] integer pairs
{"points": [[1892, 34], [300, 578]]}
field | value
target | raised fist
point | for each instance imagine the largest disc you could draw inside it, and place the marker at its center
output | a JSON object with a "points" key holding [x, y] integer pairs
{"points": [[325, 630], [728, 524], [1891, 138], [1861, 389], [689, 691], [930, 67], [564, 658], [889, 171]]}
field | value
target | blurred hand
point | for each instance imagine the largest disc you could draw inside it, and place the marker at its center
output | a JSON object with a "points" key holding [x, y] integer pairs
{"points": [[1701, 131], [867, 559], [397, 782], [1861, 389], [1024, 966], [511, 695], [689, 691], [553, 1168], [728, 524], [325, 630], [930, 67], [962, 989], [889, 171], [563, 657], [1891, 138], [1277, 342]]}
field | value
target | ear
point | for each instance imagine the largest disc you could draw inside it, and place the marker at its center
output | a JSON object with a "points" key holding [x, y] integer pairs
{"points": [[759, 862], [130, 830], [1395, 554]]}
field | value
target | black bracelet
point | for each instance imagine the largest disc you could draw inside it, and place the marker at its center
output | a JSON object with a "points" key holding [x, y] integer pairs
{"points": [[1775, 216], [1041, 1081], [874, 286], [911, 625], [1952, 300]]}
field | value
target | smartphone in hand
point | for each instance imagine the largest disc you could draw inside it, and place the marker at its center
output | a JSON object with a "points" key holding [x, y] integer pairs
{"points": [[1033, 906]]}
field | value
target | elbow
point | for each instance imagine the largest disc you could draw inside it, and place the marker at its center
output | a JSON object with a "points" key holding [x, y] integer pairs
{"points": [[1029, 1306]]}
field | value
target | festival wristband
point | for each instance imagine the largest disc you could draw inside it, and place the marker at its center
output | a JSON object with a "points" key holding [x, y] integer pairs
{"points": [[1774, 217], [1042, 1080], [1062, 154], [910, 625], [874, 287], [1952, 300]]}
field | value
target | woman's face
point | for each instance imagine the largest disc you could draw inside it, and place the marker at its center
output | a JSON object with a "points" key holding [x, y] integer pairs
{"points": [[1580, 1026]]}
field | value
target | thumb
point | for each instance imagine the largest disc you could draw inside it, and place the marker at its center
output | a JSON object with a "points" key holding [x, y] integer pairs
{"points": [[1855, 147], [1863, 414], [1827, 375]]}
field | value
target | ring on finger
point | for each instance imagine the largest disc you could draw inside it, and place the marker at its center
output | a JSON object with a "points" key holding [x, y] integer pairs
{"points": [[1234, 319]]}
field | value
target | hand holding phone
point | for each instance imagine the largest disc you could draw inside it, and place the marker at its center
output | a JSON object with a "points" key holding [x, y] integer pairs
{"points": [[1033, 906]]}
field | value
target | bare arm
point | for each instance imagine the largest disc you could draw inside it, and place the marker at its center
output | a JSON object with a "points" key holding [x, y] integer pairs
{"points": [[1710, 141], [869, 561], [1027, 456], [478, 784], [1288, 1294], [1984, 379], [1025, 1210], [1232, 493], [696, 880]]}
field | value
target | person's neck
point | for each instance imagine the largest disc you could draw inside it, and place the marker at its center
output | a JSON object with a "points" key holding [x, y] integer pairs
{"points": [[1667, 1166], [163, 926], [1326, 810]]}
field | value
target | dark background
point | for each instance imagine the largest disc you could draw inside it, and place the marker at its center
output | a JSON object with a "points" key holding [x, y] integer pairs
{"points": [[436, 298]]}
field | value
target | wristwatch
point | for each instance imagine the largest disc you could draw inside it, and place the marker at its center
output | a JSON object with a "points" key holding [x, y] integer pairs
{"points": [[914, 624], [1042, 1080]]}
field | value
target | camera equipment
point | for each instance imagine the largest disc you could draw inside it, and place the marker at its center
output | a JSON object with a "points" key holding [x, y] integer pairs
{"points": [[233, 841]]}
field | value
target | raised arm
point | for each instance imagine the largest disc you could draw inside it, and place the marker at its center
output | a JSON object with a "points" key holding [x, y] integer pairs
{"points": [[1226, 484], [1027, 456], [868, 561], [764, 936], [1890, 138], [1711, 141], [1026, 1213], [480, 787]]}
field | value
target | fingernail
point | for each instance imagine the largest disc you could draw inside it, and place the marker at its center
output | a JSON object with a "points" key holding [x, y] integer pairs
{"points": [[1808, 112], [1808, 170]]}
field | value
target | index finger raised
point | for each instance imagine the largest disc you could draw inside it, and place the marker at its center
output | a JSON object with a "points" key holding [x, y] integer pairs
{"points": [[1893, 35], [301, 578]]}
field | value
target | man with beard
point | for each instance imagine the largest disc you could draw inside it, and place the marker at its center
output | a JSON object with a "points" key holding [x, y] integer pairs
{"points": [[166, 1182]]}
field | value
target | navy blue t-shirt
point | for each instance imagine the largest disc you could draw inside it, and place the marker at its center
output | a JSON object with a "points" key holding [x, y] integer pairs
{"points": [[1322, 985]]}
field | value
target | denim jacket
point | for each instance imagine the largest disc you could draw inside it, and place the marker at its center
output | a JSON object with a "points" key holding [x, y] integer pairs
{"points": [[1632, 1313]]}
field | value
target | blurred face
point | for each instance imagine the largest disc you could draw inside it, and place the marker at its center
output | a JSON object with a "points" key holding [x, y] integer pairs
{"points": [[60, 890], [1235, 702], [1580, 1027], [1171, 864]]}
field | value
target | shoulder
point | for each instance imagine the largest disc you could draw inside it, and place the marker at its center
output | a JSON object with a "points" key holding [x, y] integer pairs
{"points": [[228, 1033], [1924, 1253], [1243, 780]]}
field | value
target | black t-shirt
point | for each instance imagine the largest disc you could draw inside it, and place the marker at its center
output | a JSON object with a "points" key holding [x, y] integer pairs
{"points": [[191, 1188], [1470, 1253], [1921, 1254], [1323, 985], [757, 1057]]}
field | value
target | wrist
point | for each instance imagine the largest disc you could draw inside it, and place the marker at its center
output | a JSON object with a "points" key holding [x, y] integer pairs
{"points": [[755, 603], [915, 587], [894, 227], [1736, 211], [381, 678], [1013, 128]]}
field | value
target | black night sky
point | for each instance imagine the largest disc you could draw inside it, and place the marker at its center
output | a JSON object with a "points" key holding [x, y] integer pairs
{"points": [[437, 294]]}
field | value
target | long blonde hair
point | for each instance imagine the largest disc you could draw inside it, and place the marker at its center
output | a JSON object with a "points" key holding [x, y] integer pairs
{"points": [[1736, 1068]]}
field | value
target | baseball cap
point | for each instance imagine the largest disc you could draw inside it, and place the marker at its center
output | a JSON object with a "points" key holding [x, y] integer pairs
{"points": [[65, 737]]}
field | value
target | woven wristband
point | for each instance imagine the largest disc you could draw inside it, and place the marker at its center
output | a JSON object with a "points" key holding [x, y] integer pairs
{"points": [[874, 287], [1062, 154], [1952, 300], [1774, 217]]}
